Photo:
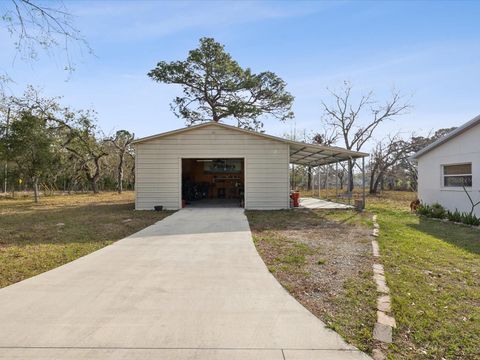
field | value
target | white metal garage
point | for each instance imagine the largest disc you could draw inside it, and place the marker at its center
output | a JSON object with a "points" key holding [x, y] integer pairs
{"points": [[219, 162]]}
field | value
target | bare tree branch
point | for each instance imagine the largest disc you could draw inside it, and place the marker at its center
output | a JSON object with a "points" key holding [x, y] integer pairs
{"points": [[35, 26], [356, 122]]}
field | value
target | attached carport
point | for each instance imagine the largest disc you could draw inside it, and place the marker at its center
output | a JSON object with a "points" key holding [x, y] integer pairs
{"points": [[316, 156]]}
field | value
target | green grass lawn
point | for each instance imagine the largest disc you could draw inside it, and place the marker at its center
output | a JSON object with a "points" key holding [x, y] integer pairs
{"points": [[433, 271], [38, 237]]}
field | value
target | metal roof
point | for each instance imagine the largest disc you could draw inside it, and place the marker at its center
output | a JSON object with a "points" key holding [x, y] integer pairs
{"points": [[313, 155], [460, 130], [300, 153]]}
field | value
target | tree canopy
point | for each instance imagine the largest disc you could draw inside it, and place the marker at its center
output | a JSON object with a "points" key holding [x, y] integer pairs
{"points": [[215, 87], [30, 145], [54, 147]]}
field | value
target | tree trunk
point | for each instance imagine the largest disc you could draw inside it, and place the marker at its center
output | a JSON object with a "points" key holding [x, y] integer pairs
{"points": [[372, 190], [374, 183], [132, 183], [341, 179], [120, 173], [309, 179], [35, 188], [378, 182], [325, 179], [120, 180], [94, 181], [350, 176]]}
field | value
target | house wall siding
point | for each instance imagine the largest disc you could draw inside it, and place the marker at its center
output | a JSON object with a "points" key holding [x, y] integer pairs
{"points": [[463, 148], [158, 166]]}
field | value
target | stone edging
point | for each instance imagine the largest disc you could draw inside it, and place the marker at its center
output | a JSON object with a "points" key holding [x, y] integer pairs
{"points": [[382, 332]]}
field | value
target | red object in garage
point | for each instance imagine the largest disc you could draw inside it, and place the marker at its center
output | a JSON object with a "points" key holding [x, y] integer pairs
{"points": [[295, 196]]}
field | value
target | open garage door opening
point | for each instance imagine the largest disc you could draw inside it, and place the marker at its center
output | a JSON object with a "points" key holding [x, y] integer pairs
{"points": [[213, 182]]}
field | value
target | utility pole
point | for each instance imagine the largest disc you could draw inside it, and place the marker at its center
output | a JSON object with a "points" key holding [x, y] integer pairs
{"points": [[5, 183]]}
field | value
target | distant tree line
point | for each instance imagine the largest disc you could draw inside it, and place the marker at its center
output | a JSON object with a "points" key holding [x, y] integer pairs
{"points": [[48, 147]]}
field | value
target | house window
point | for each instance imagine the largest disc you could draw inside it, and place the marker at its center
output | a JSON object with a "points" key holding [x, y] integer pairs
{"points": [[457, 175]]}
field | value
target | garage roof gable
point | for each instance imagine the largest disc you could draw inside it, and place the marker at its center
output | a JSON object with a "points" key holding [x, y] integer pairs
{"points": [[300, 153]]}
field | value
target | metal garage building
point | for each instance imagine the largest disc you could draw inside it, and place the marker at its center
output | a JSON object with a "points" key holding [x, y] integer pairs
{"points": [[218, 164]]}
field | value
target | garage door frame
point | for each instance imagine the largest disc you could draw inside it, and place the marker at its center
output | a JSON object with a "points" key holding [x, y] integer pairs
{"points": [[245, 184]]}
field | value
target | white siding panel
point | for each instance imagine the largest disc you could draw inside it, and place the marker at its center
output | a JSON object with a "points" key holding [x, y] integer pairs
{"points": [[158, 166], [463, 148]]}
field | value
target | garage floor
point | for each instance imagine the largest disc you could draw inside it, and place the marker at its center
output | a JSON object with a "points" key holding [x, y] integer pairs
{"points": [[215, 203], [191, 286]]}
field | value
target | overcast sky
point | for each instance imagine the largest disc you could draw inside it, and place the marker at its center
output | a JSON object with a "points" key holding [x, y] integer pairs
{"points": [[430, 51]]}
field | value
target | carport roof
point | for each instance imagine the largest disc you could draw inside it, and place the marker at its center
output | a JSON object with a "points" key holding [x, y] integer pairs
{"points": [[313, 155], [301, 153]]}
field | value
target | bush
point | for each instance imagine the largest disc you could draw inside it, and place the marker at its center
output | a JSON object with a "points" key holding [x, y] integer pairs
{"points": [[434, 211], [423, 209], [438, 211], [455, 216]]}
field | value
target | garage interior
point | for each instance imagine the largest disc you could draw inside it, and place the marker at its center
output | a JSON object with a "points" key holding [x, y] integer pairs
{"points": [[213, 182]]}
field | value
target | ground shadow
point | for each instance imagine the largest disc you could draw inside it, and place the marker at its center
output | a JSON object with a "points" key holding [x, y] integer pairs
{"points": [[301, 219], [461, 236]]}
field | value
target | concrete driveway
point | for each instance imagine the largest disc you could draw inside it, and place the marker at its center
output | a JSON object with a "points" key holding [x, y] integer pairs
{"points": [[191, 286]]}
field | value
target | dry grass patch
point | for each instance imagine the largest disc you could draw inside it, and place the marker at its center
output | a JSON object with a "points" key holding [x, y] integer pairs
{"points": [[38, 237], [323, 258]]}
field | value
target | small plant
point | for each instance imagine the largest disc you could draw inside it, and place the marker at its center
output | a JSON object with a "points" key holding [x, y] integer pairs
{"points": [[455, 216], [321, 262], [470, 219]]}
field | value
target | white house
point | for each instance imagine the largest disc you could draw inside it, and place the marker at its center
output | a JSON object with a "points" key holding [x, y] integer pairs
{"points": [[216, 164], [447, 164]]}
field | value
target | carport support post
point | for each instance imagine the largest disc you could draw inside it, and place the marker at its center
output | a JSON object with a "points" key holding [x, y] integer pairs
{"points": [[363, 183], [326, 181], [336, 181], [318, 169], [349, 184]]}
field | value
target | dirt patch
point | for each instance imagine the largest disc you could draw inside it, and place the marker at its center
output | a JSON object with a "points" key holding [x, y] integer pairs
{"points": [[325, 264]]}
